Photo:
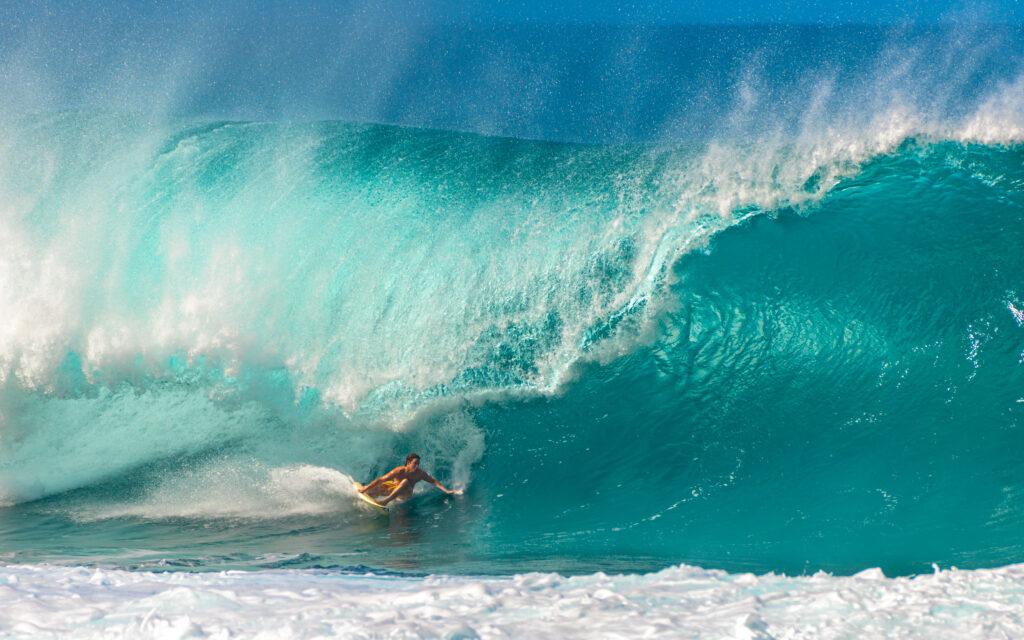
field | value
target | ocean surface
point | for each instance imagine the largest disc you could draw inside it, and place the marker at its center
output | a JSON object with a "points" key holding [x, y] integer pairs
{"points": [[721, 381]]}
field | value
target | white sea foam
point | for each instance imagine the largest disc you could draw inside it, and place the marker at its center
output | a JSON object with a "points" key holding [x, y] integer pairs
{"points": [[236, 491], [679, 602]]}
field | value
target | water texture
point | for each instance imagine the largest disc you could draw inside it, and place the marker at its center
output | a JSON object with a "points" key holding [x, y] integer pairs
{"points": [[777, 327]]}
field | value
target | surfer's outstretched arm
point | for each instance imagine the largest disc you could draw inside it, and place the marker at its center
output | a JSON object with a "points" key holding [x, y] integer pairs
{"points": [[437, 484]]}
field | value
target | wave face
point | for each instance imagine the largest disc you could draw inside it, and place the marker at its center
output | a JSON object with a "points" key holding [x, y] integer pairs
{"points": [[824, 390], [795, 354]]}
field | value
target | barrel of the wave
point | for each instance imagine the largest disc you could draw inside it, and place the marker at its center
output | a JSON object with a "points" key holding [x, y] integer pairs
{"points": [[836, 387]]}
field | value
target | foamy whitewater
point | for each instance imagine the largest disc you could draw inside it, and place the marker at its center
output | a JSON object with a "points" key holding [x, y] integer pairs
{"points": [[708, 353], [678, 602]]}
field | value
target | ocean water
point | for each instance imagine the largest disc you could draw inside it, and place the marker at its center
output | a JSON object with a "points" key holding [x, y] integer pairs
{"points": [[716, 383]]}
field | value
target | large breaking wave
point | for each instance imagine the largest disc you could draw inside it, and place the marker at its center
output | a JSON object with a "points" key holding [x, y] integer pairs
{"points": [[708, 351], [784, 335]]}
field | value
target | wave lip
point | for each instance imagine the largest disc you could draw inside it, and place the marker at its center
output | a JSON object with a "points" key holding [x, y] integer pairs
{"points": [[677, 602]]}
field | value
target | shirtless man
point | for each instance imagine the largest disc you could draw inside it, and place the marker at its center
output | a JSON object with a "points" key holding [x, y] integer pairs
{"points": [[398, 483]]}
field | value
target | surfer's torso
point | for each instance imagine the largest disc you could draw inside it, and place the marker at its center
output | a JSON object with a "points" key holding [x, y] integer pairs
{"points": [[395, 477]]}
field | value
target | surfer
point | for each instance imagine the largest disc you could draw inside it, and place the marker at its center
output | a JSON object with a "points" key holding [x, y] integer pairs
{"points": [[398, 483]]}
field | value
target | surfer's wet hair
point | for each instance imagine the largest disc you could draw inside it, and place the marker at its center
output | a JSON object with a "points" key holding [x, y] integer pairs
{"points": [[412, 456]]}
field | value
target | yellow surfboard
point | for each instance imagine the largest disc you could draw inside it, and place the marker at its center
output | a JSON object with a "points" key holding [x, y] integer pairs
{"points": [[367, 499]]}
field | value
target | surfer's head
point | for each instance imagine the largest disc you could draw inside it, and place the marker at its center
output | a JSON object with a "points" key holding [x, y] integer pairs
{"points": [[412, 461]]}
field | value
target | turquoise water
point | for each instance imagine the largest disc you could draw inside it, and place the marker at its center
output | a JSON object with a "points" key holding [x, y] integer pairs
{"points": [[788, 357]]}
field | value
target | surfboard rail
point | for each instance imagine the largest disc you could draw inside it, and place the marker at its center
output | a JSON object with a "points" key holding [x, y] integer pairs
{"points": [[367, 499]]}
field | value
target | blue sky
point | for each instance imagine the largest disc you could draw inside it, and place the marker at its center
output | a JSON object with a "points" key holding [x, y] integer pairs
{"points": [[738, 11], [407, 12], [527, 68]]}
